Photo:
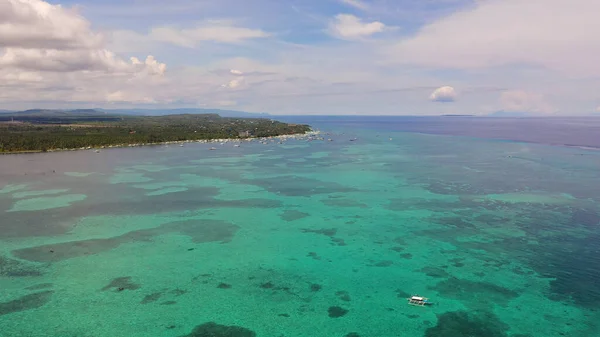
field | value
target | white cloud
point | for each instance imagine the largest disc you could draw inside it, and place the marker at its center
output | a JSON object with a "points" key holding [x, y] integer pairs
{"points": [[128, 97], [38, 36], [213, 30], [50, 53], [226, 103], [235, 83], [523, 101], [557, 34], [347, 26], [38, 24], [443, 94], [236, 72], [356, 4]]}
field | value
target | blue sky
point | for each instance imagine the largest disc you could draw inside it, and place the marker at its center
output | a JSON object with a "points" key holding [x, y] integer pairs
{"points": [[304, 56]]}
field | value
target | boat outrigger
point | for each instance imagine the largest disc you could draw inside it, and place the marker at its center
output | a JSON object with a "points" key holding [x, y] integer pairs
{"points": [[418, 301]]}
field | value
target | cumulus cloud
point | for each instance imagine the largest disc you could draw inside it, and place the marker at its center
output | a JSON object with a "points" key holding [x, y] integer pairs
{"points": [[213, 30], [38, 24], [128, 97], [235, 83], [523, 101], [480, 37], [356, 4], [347, 26], [443, 94], [236, 72], [49, 49]]}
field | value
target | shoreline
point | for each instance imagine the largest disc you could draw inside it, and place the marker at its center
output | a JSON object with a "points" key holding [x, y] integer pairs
{"points": [[308, 134]]}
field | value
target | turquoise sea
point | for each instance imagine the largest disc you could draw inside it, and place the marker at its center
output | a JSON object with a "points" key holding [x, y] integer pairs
{"points": [[309, 237]]}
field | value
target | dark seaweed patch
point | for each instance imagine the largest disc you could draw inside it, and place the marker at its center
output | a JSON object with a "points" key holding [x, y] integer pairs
{"points": [[121, 283], [293, 215], [315, 287], [402, 294], [468, 324], [434, 272], [212, 329], [200, 231], [178, 292], [336, 312], [224, 286], [40, 286], [26, 302], [407, 256], [168, 303], [330, 232], [397, 249], [344, 203], [151, 298], [284, 315], [294, 186], [14, 268], [343, 295], [480, 293], [385, 263], [352, 334], [314, 255], [267, 285]]}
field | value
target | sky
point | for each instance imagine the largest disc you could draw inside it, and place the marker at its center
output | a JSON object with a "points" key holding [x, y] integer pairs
{"points": [[377, 57]]}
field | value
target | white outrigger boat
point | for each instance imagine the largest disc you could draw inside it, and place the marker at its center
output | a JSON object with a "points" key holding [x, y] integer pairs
{"points": [[418, 301]]}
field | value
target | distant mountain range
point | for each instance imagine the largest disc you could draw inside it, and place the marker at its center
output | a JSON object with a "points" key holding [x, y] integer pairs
{"points": [[137, 112], [510, 114]]}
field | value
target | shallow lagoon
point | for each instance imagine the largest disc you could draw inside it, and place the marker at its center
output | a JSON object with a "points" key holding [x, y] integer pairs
{"points": [[306, 238]]}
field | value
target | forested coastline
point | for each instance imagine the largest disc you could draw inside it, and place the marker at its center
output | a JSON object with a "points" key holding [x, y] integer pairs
{"points": [[49, 132]]}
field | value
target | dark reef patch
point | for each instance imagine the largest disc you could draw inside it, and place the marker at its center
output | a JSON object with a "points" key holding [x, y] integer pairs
{"points": [[267, 285], [402, 294], [468, 324], [294, 186], [315, 287], [313, 255], [481, 293], [212, 329], [343, 295], [329, 232], [200, 231], [40, 286], [178, 292], [397, 249], [168, 303], [293, 215], [344, 203], [385, 263], [121, 283], [434, 272], [15, 268], [406, 256], [224, 286], [352, 334], [26, 302], [151, 298], [336, 312]]}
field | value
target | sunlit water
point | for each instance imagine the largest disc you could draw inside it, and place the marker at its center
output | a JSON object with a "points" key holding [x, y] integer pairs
{"points": [[305, 238]]}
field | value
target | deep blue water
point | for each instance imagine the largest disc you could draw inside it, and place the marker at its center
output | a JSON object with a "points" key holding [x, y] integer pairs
{"points": [[565, 131]]}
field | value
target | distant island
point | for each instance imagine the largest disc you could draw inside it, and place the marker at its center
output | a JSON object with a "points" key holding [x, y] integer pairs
{"points": [[51, 130]]}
